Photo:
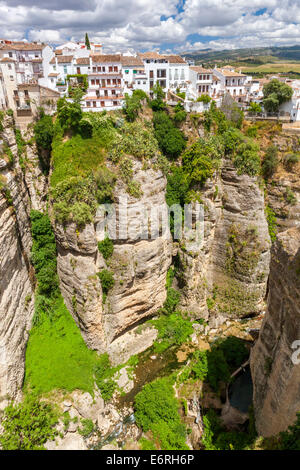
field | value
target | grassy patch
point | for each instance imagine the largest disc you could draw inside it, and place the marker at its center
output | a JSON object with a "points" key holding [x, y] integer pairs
{"points": [[57, 356]]}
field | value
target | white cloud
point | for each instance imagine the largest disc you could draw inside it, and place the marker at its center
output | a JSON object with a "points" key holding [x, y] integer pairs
{"points": [[137, 24]]}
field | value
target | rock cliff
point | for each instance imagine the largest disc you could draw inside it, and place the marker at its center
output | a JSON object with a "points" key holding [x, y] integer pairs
{"points": [[276, 377], [17, 277], [228, 276], [139, 268]]}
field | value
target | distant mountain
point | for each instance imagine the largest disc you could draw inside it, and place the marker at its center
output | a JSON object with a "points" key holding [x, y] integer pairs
{"points": [[258, 55]]}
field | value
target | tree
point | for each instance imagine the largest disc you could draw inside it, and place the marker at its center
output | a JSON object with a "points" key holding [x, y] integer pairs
{"points": [[275, 94], [231, 111], [255, 107], [87, 41], [69, 114]]}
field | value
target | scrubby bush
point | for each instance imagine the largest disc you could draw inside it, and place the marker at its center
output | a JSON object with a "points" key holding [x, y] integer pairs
{"points": [[106, 247], [170, 139], [133, 104], [255, 108], [173, 330], [270, 162], [28, 425], [290, 160], [104, 377], [107, 281], [156, 410], [247, 159], [201, 159]]}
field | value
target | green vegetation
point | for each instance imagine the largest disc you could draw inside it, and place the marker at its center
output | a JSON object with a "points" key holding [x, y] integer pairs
{"points": [[104, 377], [157, 104], [201, 159], [173, 330], [87, 427], [87, 41], [247, 159], [255, 108], [271, 219], [215, 437], [275, 94], [43, 134], [107, 281], [156, 410], [106, 248], [133, 104], [28, 425], [170, 139], [270, 162], [56, 354], [204, 99], [290, 160], [43, 257]]}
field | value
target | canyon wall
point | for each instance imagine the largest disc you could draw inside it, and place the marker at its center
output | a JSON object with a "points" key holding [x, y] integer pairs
{"points": [[228, 276], [276, 375], [139, 267], [17, 196]]}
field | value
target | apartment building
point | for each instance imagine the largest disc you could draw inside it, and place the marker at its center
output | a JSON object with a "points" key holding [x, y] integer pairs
{"points": [[201, 81], [233, 82], [133, 74], [105, 83], [168, 71]]}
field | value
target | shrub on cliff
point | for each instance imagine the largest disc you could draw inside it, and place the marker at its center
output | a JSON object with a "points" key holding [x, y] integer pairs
{"points": [[28, 425], [270, 161], [170, 139], [156, 410]]}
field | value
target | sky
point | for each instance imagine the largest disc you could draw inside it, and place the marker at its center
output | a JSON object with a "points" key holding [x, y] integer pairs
{"points": [[165, 25]]}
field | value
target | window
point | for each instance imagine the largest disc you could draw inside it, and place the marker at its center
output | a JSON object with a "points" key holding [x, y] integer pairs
{"points": [[26, 92], [108, 81], [102, 103], [113, 92], [65, 69], [10, 54], [115, 103], [94, 104], [98, 69], [11, 77], [103, 69], [116, 68], [110, 69], [16, 92], [126, 71], [88, 104], [92, 82], [9, 66]]}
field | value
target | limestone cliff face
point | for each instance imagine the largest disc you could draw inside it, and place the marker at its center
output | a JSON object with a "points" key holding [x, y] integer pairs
{"points": [[17, 277], [275, 376], [139, 268], [228, 276]]}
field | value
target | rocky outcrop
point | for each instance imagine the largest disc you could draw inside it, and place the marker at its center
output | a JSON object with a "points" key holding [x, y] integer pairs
{"points": [[139, 267], [16, 280], [275, 371], [228, 276]]}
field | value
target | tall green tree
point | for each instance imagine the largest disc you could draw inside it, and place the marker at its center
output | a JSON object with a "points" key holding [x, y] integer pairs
{"points": [[275, 94], [87, 41]]}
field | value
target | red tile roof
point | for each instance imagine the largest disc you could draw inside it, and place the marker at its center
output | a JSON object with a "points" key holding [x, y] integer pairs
{"points": [[106, 58]]}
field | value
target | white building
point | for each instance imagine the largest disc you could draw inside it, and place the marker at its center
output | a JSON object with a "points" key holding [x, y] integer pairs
{"points": [[105, 83], [233, 82], [169, 71], [201, 80]]}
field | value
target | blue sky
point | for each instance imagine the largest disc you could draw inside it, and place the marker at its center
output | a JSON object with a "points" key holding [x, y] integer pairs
{"points": [[166, 25]]}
